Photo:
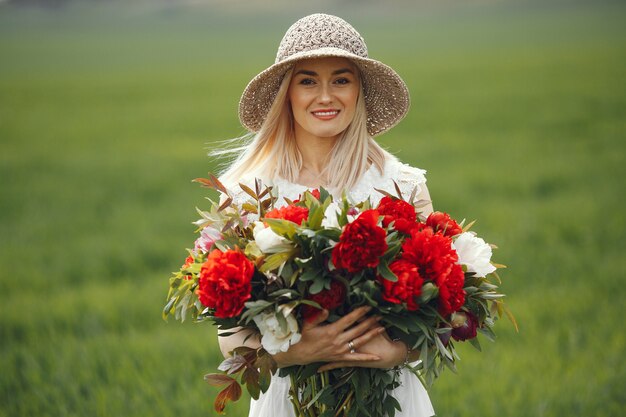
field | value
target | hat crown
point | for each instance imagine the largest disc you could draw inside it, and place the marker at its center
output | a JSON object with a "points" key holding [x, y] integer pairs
{"points": [[320, 31]]}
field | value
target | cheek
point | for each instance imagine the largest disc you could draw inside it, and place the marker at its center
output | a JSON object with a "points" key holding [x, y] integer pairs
{"points": [[298, 103], [350, 100]]}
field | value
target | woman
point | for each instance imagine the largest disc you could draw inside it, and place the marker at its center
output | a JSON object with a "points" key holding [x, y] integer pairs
{"points": [[314, 114]]}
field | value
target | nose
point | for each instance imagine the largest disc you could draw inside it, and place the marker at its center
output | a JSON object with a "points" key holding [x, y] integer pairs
{"points": [[325, 95]]}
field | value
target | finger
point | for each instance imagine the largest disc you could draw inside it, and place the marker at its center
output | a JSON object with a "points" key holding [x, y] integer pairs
{"points": [[362, 340], [351, 318], [333, 365], [358, 357], [316, 320], [350, 362], [358, 330]]}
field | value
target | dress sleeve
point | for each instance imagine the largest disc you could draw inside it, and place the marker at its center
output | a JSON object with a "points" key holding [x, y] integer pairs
{"points": [[405, 176], [410, 178]]}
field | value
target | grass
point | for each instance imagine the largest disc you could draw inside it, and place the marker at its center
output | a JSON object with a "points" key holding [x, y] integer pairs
{"points": [[517, 114]]}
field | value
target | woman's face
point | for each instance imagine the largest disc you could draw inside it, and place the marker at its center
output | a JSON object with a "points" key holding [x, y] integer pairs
{"points": [[323, 93]]}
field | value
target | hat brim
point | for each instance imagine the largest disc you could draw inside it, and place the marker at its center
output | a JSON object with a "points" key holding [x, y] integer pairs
{"points": [[386, 94]]}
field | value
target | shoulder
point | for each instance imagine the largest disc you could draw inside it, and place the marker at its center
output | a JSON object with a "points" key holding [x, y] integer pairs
{"points": [[408, 179], [411, 181], [404, 173]]}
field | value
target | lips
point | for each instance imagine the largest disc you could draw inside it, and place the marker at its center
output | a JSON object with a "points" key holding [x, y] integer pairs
{"points": [[325, 114]]}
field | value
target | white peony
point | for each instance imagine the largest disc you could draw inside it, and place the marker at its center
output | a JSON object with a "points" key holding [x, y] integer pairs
{"points": [[330, 216], [474, 253], [275, 339], [268, 241]]}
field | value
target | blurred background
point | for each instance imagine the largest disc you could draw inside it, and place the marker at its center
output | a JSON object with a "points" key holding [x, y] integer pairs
{"points": [[108, 110]]}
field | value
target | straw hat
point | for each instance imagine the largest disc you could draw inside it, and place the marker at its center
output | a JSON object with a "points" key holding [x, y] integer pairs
{"points": [[321, 35]]}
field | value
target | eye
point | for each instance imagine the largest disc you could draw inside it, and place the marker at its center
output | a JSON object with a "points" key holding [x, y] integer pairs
{"points": [[306, 81], [342, 81]]}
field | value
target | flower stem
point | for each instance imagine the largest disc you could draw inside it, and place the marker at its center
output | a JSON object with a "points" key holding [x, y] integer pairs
{"points": [[344, 403], [293, 390]]}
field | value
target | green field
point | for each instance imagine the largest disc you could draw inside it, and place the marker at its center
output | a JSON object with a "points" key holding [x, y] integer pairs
{"points": [[518, 114]]}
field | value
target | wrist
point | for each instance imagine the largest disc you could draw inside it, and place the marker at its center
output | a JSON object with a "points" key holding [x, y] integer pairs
{"points": [[404, 353], [283, 360]]}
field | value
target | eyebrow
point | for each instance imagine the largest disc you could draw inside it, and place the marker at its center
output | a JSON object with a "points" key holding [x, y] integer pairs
{"points": [[336, 72]]}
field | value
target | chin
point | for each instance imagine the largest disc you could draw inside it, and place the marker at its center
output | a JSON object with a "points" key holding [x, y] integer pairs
{"points": [[332, 134], [328, 133]]}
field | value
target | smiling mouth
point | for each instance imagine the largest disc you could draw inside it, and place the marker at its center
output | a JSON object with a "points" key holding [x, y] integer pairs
{"points": [[325, 114]]}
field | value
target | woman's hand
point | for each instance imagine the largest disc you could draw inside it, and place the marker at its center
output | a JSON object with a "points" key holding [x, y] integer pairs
{"points": [[331, 342], [390, 354]]}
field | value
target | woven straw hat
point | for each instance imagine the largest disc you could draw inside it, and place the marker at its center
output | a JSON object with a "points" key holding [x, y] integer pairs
{"points": [[321, 35]]}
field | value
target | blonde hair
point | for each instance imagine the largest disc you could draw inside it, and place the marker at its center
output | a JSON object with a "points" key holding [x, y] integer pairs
{"points": [[272, 152]]}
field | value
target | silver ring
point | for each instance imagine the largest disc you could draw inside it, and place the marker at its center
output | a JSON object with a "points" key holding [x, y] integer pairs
{"points": [[351, 346]]}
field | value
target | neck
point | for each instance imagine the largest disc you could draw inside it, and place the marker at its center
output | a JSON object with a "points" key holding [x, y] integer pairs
{"points": [[314, 150]]}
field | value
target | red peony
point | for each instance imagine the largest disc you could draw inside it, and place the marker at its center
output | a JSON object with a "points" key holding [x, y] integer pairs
{"points": [[292, 213], [442, 222], [398, 211], [407, 288], [451, 292], [188, 262], [431, 252], [225, 282], [464, 325], [361, 244], [329, 299], [436, 261]]}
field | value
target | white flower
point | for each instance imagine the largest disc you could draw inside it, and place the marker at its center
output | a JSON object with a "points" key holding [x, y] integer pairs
{"points": [[268, 241], [276, 339], [332, 212], [474, 253], [330, 216], [207, 238]]}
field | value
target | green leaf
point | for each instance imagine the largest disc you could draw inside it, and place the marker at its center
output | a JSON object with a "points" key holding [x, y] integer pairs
{"points": [[310, 275], [491, 296], [316, 215], [252, 250], [275, 260], [469, 226], [282, 321], [511, 318], [317, 286], [250, 377], [429, 291], [316, 397], [282, 227], [286, 309], [267, 367], [474, 342], [383, 269], [185, 304], [285, 292], [488, 333]]}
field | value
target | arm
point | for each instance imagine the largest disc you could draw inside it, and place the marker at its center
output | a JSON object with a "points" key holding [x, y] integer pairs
{"points": [[425, 195], [229, 343], [319, 343], [391, 354]]}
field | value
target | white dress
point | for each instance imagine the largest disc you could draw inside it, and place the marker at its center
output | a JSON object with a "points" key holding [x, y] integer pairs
{"points": [[411, 394]]}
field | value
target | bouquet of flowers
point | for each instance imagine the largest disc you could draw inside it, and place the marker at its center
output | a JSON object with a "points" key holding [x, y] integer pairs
{"points": [[269, 266]]}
